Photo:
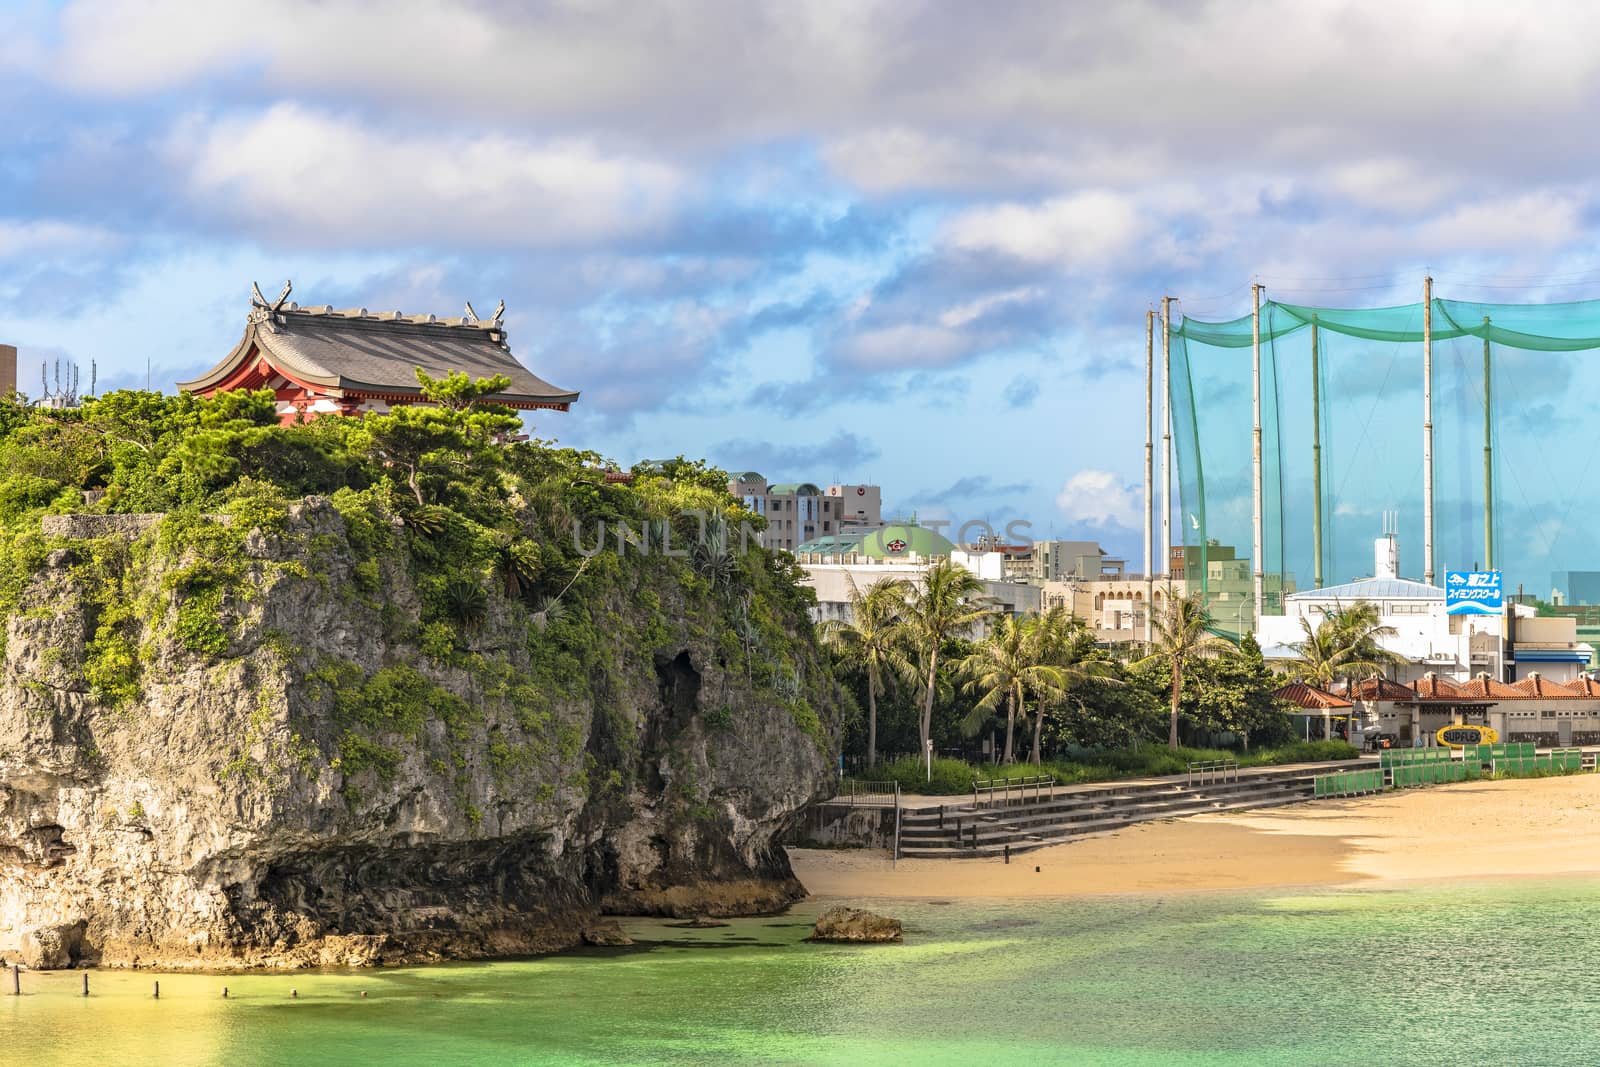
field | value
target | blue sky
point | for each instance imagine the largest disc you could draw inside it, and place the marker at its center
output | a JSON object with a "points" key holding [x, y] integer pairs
{"points": [[895, 242]]}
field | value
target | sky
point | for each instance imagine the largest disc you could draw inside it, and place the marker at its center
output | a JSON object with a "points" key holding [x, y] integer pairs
{"points": [[894, 242]]}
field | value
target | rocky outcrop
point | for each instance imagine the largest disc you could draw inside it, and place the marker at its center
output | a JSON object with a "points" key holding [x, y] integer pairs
{"points": [[844, 924], [313, 788]]}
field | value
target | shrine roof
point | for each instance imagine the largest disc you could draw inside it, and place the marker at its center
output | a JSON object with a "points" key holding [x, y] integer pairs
{"points": [[354, 352]]}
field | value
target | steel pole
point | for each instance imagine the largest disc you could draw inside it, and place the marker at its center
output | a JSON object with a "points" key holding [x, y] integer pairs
{"points": [[1257, 532], [1149, 472], [1427, 430], [1488, 455], [1166, 441], [1316, 460]]}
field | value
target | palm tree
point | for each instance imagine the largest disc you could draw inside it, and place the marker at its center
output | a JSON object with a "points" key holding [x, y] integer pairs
{"points": [[950, 599], [1060, 642], [873, 640], [1002, 669], [1344, 645], [1182, 635]]}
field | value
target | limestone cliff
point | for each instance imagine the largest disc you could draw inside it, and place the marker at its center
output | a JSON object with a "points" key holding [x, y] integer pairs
{"points": [[301, 772]]}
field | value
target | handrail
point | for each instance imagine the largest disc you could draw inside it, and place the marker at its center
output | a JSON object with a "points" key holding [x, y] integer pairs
{"points": [[1038, 783], [869, 794], [1218, 770]]}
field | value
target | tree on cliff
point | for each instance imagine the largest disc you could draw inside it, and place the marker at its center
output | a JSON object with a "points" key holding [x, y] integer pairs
{"points": [[948, 601], [1182, 636], [441, 441], [874, 641]]}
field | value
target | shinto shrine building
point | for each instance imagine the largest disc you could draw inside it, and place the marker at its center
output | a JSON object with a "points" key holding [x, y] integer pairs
{"points": [[322, 361]]}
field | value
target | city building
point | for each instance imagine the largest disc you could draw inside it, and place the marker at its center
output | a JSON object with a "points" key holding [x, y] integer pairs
{"points": [[1228, 586], [1113, 606], [1534, 709], [1062, 561], [856, 560], [1575, 588], [8, 369], [801, 512], [319, 361]]}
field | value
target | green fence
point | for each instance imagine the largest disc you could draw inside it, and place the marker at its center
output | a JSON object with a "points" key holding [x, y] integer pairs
{"points": [[1558, 761], [1434, 772], [1405, 757], [1406, 767]]}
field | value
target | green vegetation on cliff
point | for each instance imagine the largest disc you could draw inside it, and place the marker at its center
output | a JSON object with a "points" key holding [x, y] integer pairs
{"points": [[454, 536]]}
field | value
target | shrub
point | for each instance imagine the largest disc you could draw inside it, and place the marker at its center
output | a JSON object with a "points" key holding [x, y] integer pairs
{"points": [[1312, 752], [950, 776]]}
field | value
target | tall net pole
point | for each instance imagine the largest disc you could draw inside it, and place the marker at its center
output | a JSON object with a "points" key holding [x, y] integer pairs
{"points": [[1166, 440], [1427, 430], [1316, 460], [1488, 456], [1149, 472], [1257, 533]]}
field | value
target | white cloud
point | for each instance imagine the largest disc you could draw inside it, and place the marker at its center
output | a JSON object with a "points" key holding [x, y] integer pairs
{"points": [[963, 314], [1084, 229], [1100, 498], [888, 349], [44, 237], [1544, 219], [298, 173]]}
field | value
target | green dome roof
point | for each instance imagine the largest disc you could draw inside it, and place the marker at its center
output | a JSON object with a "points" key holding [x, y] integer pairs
{"points": [[900, 541]]}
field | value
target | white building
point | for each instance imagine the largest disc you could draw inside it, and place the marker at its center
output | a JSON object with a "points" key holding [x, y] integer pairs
{"points": [[1457, 647], [903, 551]]}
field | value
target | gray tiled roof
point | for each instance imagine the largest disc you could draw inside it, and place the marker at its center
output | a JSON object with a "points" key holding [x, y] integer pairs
{"points": [[1373, 589], [354, 351]]}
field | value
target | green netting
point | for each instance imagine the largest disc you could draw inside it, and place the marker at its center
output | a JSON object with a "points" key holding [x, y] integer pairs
{"points": [[1347, 444]]}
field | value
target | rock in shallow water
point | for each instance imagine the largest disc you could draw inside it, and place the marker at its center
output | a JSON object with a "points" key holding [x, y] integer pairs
{"points": [[606, 933], [855, 925], [49, 948]]}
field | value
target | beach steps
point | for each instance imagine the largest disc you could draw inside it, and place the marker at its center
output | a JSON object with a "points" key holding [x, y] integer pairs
{"points": [[959, 830]]}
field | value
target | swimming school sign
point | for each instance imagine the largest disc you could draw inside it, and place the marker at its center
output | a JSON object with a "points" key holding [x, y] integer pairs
{"points": [[1473, 593], [1460, 735]]}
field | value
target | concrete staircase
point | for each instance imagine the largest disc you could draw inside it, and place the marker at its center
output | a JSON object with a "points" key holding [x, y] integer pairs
{"points": [[954, 831]]}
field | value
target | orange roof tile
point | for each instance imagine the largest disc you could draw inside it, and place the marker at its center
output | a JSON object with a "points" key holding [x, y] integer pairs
{"points": [[1483, 687], [1432, 687], [1302, 695], [1535, 686], [1377, 689]]}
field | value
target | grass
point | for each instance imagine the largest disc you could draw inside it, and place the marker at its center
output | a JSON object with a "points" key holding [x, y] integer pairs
{"points": [[952, 777]]}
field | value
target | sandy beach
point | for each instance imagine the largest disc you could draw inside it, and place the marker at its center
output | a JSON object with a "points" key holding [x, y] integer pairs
{"points": [[1529, 828]]}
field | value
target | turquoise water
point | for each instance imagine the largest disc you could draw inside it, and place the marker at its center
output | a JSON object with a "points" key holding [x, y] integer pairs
{"points": [[1449, 974]]}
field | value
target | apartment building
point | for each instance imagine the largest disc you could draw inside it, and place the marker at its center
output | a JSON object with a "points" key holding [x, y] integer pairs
{"points": [[801, 512]]}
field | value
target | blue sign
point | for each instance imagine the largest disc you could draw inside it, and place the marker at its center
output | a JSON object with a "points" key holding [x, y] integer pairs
{"points": [[1473, 593]]}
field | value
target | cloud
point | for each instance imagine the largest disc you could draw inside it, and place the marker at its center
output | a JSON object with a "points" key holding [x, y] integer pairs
{"points": [[1083, 230], [294, 172], [839, 456], [1100, 498], [973, 487], [39, 237]]}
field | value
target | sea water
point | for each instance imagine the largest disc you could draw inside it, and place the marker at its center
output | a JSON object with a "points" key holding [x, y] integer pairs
{"points": [[1458, 973]]}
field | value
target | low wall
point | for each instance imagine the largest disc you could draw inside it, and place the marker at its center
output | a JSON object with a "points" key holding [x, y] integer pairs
{"points": [[832, 824]]}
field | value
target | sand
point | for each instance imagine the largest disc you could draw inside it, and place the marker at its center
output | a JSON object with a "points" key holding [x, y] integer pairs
{"points": [[1528, 828]]}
